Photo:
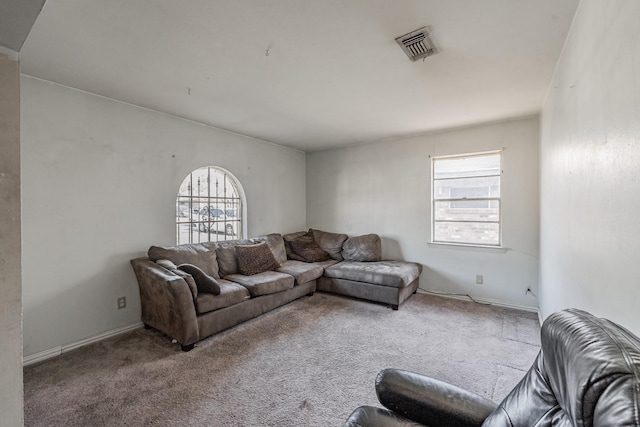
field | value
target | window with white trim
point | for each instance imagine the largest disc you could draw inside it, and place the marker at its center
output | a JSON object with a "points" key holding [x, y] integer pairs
{"points": [[209, 207], [466, 199]]}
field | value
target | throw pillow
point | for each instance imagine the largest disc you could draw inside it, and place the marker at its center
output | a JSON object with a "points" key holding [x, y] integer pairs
{"points": [[254, 259], [306, 247], [205, 283], [362, 248], [275, 243], [166, 264]]}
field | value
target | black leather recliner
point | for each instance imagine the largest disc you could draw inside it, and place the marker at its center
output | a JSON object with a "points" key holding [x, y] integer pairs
{"points": [[586, 374]]}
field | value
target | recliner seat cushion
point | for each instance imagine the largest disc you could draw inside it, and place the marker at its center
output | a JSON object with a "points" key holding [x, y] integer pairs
{"points": [[265, 283], [397, 274]]}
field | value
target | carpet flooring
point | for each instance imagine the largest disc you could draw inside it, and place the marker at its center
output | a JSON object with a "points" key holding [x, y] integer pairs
{"points": [[308, 363]]}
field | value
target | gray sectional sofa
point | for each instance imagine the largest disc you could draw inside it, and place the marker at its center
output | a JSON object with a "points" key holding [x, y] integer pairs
{"points": [[192, 291]]}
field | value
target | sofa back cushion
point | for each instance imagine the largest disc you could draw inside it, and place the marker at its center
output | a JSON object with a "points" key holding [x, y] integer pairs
{"points": [[226, 256], [193, 253], [330, 242], [362, 248], [275, 243]]}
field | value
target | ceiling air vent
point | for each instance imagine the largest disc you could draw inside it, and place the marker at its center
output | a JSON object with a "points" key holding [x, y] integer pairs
{"points": [[418, 44]]}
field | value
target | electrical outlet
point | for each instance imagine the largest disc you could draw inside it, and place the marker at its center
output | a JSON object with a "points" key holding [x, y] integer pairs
{"points": [[122, 302], [479, 279]]}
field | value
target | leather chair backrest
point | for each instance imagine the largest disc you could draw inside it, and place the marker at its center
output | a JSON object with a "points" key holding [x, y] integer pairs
{"points": [[586, 374]]}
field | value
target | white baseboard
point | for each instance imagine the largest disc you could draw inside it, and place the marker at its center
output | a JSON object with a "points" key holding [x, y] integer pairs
{"points": [[482, 300], [58, 350]]}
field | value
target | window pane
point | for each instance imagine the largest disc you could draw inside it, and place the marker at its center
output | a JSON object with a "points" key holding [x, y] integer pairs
{"points": [[477, 233], [466, 199], [460, 188], [467, 210], [458, 167], [208, 207]]}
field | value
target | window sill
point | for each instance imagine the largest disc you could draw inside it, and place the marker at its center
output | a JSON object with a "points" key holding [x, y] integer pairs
{"points": [[473, 248]]}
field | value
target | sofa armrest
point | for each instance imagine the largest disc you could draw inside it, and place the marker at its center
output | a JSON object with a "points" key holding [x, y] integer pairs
{"points": [[369, 416], [429, 401], [166, 301]]}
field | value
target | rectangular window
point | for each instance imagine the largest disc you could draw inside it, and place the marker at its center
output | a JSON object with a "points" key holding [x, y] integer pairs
{"points": [[466, 199]]}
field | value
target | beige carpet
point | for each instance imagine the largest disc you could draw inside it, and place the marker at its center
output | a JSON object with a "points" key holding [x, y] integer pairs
{"points": [[308, 363]]}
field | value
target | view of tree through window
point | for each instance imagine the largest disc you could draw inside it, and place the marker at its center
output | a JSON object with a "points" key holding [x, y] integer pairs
{"points": [[466, 199], [208, 207]]}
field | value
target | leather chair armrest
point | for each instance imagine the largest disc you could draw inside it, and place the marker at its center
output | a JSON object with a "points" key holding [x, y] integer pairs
{"points": [[369, 416], [429, 401]]}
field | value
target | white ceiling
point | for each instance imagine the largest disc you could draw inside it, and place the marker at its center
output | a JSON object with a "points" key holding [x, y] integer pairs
{"points": [[333, 76]]}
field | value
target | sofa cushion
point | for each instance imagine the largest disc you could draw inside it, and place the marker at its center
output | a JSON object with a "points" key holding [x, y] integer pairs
{"points": [[362, 248], [306, 247], [275, 243], [287, 244], [192, 253], [226, 256], [265, 283], [205, 283], [230, 294], [397, 274], [330, 242], [327, 263], [303, 272], [254, 259]]}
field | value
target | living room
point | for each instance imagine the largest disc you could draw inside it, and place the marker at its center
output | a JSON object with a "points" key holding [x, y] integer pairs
{"points": [[99, 179]]}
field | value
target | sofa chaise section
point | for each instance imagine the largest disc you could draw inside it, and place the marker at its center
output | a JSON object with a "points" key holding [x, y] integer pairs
{"points": [[388, 282]]}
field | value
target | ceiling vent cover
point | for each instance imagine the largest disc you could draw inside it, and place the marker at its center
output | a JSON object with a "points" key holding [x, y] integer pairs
{"points": [[418, 44]]}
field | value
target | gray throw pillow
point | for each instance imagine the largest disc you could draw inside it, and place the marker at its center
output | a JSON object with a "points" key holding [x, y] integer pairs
{"points": [[330, 242], [205, 283], [362, 248], [254, 259], [306, 247]]}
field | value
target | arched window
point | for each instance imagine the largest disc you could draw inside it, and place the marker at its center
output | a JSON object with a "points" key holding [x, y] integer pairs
{"points": [[209, 207]]}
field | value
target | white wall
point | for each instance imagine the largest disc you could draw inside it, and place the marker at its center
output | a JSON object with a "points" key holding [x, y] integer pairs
{"points": [[10, 259], [590, 168], [384, 188], [100, 180]]}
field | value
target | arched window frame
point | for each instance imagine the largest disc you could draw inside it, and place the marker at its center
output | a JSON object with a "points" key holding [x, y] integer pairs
{"points": [[210, 207]]}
